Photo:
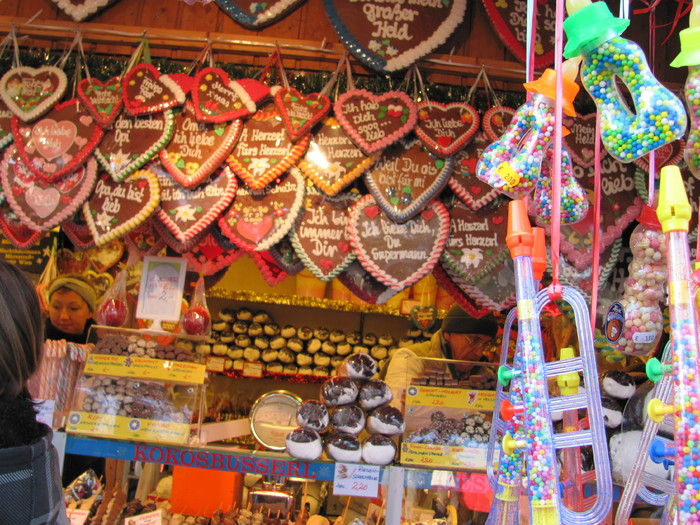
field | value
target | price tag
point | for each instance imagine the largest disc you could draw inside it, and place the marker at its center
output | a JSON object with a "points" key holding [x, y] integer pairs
{"points": [[77, 517], [442, 479], [356, 480], [45, 408], [644, 338], [252, 369], [216, 363], [508, 174], [150, 518]]}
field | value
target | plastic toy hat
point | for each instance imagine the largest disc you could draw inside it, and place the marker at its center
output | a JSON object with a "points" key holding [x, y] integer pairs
{"points": [[546, 85], [590, 26], [690, 48]]}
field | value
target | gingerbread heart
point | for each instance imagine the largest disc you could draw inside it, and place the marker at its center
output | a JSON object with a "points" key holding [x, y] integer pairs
{"points": [[41, 205], [406, 178], [392, 39], [667, 155], [495, 290], [361, 283], [372, 121], [446, 283], [509, 19], [5, 124], [116, 208], [286, 258], [477, 241], [580, 142], [464, 182], [78, 232], [133, 141], [319, 238], [216, 98], [144, 240], [79, 10], [57, 143], [104, 257], [398, 255], [69, 262], [174, 243], [189, 212], [146, 91], [30, 92], [264, 150], [269, 269], [582, 279], [214, 252], [300, 112], [103, 100], [260, 218], [19, 234], [332, 161], [100, 281], [446, 128], [496, 120], [257, 14], [424, 317], [198, 148]]}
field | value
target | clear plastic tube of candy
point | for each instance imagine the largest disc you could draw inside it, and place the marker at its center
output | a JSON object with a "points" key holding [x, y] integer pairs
{"points": [[691, 153]]}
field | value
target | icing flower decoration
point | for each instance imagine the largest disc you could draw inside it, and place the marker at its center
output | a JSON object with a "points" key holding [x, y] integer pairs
{"points": [[118, 160], [394, 110], [336, 168], [391, 51], [184, 213], [471, 257], [259, 166], [103, 220], [375, 46]]}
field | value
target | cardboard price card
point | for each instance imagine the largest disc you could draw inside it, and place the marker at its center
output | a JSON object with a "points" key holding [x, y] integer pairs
{"points": [[447, 427], [145, 368], [356, 480]]}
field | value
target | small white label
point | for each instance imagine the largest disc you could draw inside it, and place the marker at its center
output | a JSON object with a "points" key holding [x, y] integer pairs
{"points": [[45, 408], [443, 479], [356, 480], [644, 338], [150, 518], [77, 517]]}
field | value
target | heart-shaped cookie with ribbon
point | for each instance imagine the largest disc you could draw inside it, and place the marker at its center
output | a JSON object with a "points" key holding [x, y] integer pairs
{"points": [[198, 148], [133, 141], [286, 258], [264, 150], [406, 178], [217, 98], [59, 142], [477, 241], [44, 205], [189, 212], [332, 161], [372, 121], [116, 208], [79, 10], [509, 19], [319, 238], [78, 232], [30, 92], [5, 124], [260, 218], [146, 91], [271, 272], [103, 100], [214, 252], [446, 128], [580, 142], [255, 15], [144, 240], [394, 37], [496, 120], [398, 255], [104, 257], [19, 234], [300, 112], [464, 182]]}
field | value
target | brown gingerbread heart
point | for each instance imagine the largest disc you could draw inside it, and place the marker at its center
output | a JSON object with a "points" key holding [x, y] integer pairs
{"points": [[102, 258], [471, 191], [446, 128], [300, 112], [103, 99], [30, 92], [146, 91]]}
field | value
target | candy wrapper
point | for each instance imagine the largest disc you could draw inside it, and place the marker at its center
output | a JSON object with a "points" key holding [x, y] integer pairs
{"points": [[112, 309], [197, 319], [83, 487]]}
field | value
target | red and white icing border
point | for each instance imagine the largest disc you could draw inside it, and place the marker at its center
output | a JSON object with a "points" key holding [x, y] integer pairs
{"points": [[173, 243], [178, 93], [235, 85], [13, 230], [373, 268], [207, 266], [267, 269], [43, 106], [444, 280], [467, 198], [461, 142]]}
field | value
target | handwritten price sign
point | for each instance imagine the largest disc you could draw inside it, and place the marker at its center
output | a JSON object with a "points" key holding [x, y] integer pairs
{"points": [[356, 480]]}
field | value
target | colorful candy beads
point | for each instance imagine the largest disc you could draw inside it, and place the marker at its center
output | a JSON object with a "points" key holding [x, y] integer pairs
{"points": [[574, 200], [691, 153], [660, 116]]}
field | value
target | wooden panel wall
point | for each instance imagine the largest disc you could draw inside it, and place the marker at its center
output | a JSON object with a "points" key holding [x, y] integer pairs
{"points": [[474, 38]]}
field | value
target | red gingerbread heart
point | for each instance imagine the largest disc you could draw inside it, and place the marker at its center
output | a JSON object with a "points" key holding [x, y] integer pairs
{"points": [[173, 242], [464, 183], [19, 234], [300, 112], [30, 92], [214, 252], [144, 240], [41, 205], [318, 238], [494, 291], [197, 148], [372, 121], [59, 142], [146, 91], [78, 232], [189, 212], [332, 161], [286, 258], [103, 99], [667, 155], [264, 150], [406, 178], [269, 269], [256, 14], [398, 255], [361, 283], [446, 128], [260, 218], [217, 98]]}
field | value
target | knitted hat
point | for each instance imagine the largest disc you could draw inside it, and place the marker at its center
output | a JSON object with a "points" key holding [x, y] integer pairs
{"points": [[457, 321], [83, 288]]}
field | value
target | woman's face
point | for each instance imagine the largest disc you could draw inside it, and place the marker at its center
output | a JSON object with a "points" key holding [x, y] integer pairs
{"points": [[68, 311]]}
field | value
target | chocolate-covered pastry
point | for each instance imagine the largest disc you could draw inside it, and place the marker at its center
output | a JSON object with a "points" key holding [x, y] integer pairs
{"points": [[306, 371], [339, 391], [374, 393], [343, 349], [227, 314], [286, 356], [348, 418], [219, 326], [262, 342], [251, 354], [336, 336], [322, 359], [240, 327], [321, 371], [227, 337], [234, 352], [274, 368], [369, 339], [269, 355], [314, 415], [386, 420], [304, 443], [244, 314], [612, 412], [271, 329], [354, 338], [278, 342], [379, 352], [261, 317], [291, 368], [255, 329], [304, 359], [359, 366], [337, 360], [305, 333], [313, 345], [295, 344], [378, 450], [321, 333], [344, 447], [328, 348], [243, 341]]}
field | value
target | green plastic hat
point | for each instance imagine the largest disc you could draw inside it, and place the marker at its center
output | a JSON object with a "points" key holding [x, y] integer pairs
{"points": [[690, 48], [594, 24]]}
